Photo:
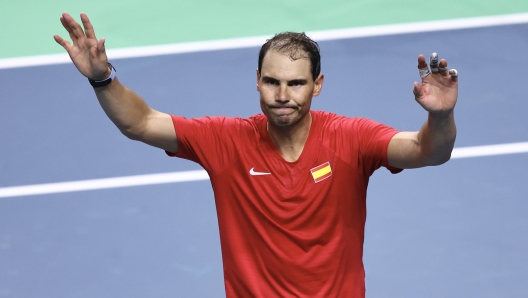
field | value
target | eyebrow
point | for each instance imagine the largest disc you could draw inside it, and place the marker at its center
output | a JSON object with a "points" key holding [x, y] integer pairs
{"points": [[290, 82]]}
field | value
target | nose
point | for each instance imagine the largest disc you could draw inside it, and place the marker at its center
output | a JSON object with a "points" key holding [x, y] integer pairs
{"points": [[282, 95]]}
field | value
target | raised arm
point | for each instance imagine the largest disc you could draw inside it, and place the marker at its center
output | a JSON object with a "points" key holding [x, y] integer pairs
{"points": [[433, 144], [127, 110]]}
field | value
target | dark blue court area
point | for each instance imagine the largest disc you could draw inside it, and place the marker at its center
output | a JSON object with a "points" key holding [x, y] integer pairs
{"points": [[457, 230]]}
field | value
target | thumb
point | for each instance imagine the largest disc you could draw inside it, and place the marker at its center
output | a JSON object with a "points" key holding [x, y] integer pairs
{"points": [[101, 45], [100, 51], [417, 90]]}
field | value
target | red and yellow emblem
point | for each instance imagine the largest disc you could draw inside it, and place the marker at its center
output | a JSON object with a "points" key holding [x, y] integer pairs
{"points": [[321, 172]]}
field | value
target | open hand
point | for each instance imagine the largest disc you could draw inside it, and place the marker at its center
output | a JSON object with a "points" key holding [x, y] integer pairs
{"points": [[438, 91], [87, 53]]}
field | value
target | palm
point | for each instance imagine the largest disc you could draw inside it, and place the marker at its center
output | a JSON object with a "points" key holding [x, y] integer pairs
{"points": [[80, 52], [87, 53], [438, 92]]}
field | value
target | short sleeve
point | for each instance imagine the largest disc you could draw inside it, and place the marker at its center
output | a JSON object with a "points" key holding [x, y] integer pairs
{"points": [[373, 139], [209, 141]]}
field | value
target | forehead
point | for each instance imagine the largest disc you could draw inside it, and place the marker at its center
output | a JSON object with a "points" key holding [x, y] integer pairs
{"points": [[285, 66]]}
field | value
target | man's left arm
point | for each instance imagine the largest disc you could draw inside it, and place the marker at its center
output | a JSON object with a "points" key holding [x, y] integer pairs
{"points": [[433, 144]]}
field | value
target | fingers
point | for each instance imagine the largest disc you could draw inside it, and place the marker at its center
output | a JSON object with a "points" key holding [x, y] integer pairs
{"points": [[442, 67], [437, 67], [454, 75], [82, 39], [444, 70], [68, 28], [422, 64], [64, 43], [88, 28], [74, 27], [75, 30], [423, 68], [434, 63]]}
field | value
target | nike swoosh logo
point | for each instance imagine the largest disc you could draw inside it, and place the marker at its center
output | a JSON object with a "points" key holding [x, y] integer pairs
{"points": [[253, 173]]}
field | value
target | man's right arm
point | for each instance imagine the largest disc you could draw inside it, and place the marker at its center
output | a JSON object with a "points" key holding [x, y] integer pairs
{"points": [[127, 110], [135, 119]]}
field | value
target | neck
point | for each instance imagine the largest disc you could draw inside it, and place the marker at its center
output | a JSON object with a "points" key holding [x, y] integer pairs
{"points": [[290, 140]]}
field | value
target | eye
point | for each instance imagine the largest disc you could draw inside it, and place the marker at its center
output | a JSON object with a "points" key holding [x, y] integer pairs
{"points": [[297, 83]]}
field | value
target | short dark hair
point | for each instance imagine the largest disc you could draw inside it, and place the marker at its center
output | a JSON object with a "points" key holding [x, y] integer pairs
{"points": [[295, 45]]}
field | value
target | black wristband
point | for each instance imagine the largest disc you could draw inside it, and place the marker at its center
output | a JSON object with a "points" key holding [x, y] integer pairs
{"points": [[97, 84]]}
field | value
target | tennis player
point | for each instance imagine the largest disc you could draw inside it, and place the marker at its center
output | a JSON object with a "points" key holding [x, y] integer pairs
{"points": [[290, 183]]}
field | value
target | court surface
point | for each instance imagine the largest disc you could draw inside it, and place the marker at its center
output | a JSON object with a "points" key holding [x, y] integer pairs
{"points": [[458, 230]]}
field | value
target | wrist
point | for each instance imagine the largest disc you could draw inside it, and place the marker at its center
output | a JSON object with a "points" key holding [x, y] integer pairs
{"points": [[441, 113], [442, 117], [105, 82]]}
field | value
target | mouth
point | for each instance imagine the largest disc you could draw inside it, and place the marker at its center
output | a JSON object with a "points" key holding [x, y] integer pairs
{"points": [[283, 107], [283, 111]]}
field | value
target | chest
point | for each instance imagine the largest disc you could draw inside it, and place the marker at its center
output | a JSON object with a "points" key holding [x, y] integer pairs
{"points": [[319, 172], [319, 187]]}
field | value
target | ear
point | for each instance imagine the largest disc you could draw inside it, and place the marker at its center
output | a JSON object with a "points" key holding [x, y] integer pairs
{"points": [[318, 85], [258, 79]]}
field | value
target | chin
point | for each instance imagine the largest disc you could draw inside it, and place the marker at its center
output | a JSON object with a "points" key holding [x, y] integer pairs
{"points": [[282, 121]]}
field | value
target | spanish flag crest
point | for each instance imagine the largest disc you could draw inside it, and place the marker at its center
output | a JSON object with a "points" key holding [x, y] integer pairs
{"points": [[321, 172]]}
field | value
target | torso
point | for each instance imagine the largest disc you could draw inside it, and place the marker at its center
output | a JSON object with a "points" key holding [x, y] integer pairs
{"points": [[285, 231], [301, 231]]}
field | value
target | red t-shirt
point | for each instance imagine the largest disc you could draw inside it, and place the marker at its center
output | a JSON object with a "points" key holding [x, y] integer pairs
{"points": [[289, 229]]}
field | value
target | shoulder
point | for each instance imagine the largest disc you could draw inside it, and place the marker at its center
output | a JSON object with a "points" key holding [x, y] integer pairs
{"points": [[331, 125], [257, 119], [331, 121], [249, 129], [246, 129], [219, 121]]}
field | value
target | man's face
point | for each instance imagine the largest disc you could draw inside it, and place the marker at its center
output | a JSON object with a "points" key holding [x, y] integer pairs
{"points": [[286, 88]]}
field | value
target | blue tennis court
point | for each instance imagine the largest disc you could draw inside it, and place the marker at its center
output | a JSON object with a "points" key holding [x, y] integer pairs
{"points": [[458, 230]]}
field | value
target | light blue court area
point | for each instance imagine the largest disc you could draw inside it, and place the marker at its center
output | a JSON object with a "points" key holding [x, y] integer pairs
{"points": [[458, 230]]}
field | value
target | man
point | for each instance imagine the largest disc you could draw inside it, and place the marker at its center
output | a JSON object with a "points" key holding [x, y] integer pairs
{"points": [[290, 184]]}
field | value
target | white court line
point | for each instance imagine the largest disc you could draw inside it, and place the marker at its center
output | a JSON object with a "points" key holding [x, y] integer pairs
{"points": [[237, 43], [488, 150], [187, 176], [93, 184]]}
